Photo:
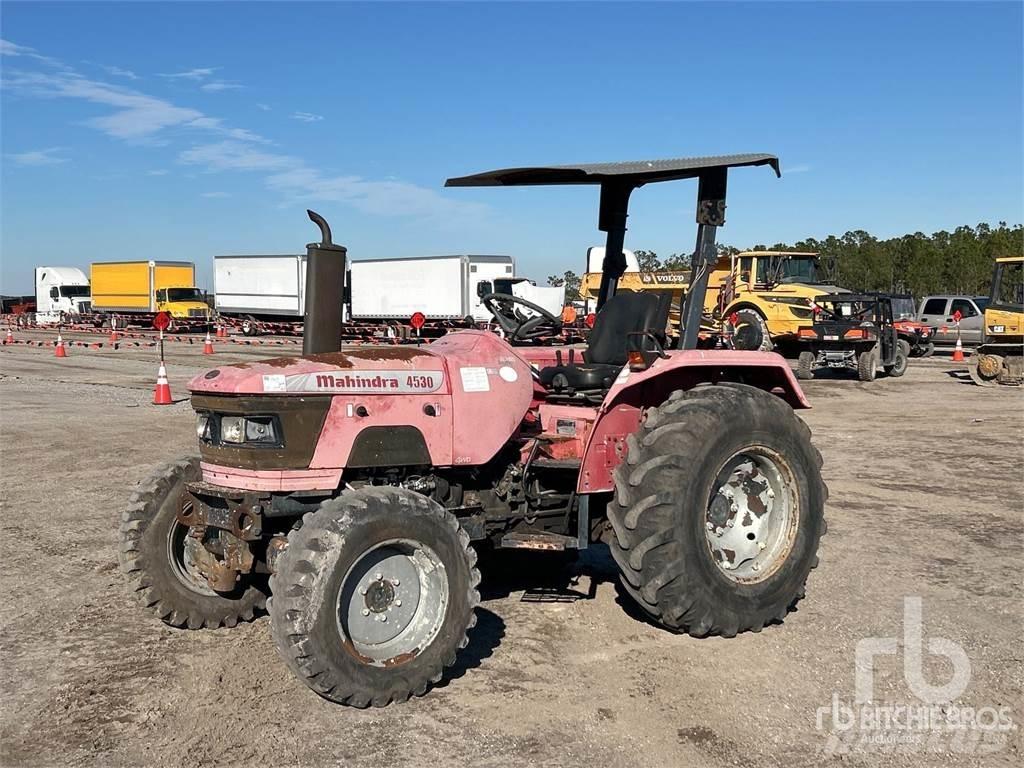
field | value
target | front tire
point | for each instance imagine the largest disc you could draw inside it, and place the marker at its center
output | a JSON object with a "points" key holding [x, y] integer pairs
{"points": [[673, 523], [155, 555], [374, 596], [751, 331]]}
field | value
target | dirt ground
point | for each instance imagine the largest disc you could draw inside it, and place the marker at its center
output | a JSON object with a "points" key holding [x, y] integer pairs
{"points": [[927, 495]]}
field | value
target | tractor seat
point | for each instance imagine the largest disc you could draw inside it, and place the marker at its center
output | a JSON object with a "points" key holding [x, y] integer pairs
{"points": [[607, 351]]}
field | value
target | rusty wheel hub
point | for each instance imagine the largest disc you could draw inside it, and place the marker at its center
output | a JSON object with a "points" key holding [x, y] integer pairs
{"points": [[392, 602], [752, 515]]}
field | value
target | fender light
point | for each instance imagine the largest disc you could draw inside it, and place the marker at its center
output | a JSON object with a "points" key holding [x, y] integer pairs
{"points": [[636, 361], [807, 333], [997, 328]]}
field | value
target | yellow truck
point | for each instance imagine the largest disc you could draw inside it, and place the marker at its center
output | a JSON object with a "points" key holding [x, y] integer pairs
{"points": [[766, 296], [999, 359], [134, 291]]}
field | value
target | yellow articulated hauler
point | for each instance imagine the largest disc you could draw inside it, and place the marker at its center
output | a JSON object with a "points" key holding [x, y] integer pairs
{"points": [[999, 359], [147, 287], [765, 296]]}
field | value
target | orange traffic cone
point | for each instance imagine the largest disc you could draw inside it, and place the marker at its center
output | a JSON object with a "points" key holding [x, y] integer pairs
{"points": [[59, 351], [9, 339], [208, 345], [162, 393], [958, 351]]}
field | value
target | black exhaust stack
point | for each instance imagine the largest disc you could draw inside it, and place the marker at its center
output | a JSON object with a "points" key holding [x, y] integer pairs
{"points": [[325, 291]]}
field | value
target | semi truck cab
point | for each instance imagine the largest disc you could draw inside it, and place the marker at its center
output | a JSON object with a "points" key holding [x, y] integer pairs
{"points": [[61, 293]]}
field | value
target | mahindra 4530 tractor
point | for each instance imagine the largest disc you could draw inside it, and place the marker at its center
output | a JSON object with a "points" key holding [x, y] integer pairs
{"points": [[353, 486]]}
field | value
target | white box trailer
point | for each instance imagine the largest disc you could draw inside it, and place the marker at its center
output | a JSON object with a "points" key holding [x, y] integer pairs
{"points": [[441, 287], [260, 286]]}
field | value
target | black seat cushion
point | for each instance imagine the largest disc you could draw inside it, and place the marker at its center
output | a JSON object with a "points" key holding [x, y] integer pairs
{"points": [[608, 349]]}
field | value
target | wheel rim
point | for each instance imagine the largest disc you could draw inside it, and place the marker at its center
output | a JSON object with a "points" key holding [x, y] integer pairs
{"points": [[181, 549], [392, 602], [752, 515]]}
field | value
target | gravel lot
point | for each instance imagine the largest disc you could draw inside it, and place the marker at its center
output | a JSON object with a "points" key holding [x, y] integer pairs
{"points": [[927, 495]]}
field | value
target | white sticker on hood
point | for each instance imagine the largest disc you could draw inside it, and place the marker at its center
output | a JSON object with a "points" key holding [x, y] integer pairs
{"points": [[275, 383], [474, 380]]}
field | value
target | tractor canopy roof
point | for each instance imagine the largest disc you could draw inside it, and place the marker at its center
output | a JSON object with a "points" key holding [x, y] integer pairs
{"points": [[635, 173]]}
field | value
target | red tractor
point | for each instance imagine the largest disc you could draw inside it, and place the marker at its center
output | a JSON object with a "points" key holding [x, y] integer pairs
{"points": [[355, 486]]}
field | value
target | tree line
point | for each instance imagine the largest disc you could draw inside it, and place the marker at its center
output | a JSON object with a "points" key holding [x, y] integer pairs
{"points": [[943, 262]]}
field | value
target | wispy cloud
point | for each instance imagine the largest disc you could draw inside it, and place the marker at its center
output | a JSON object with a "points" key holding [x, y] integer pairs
{"points": [[218, 85], [234, 156], [119, 72], [37, 157], [7, 48], [199, 73], [264, 107], [140, 118], [158, 172], [795, 169], [136, 116]]}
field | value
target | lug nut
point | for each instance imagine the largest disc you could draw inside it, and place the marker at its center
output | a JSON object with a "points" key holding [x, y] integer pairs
{"points": [[366, 611], [711, 526], [378, 576], [362, 590], [395, 583], [771, 494], [762, 546], [734, 507], [383, 617], [731, 523], [398, 603]]}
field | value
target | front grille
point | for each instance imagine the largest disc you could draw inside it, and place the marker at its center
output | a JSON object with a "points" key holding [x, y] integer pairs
{"points": [[197, 313]]}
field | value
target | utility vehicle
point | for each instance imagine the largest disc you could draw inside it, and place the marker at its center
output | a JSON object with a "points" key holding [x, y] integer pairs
{"points": [[919, 336], [855, 332], [362, 481]]}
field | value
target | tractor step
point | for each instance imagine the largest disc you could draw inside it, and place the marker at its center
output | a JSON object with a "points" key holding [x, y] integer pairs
{"points": [[552, 542]]}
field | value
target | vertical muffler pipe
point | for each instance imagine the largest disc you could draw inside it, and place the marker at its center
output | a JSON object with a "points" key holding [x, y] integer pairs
{"points": [[325, 292]]}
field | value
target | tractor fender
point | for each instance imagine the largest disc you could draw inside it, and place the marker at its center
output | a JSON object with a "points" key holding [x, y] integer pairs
{"points": [[634, 391]]}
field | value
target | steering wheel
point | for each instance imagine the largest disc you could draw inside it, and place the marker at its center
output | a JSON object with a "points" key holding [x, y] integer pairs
{"points": [[519, 325]]}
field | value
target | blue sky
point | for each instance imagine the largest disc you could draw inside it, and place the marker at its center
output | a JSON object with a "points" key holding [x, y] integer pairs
{"points": [[181, 131]]}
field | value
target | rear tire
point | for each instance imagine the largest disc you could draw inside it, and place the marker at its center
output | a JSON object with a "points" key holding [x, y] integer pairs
{"points": [[669, 487], [867, 364], [899, 366], [340, 575], [805, 365], [154, 555]]}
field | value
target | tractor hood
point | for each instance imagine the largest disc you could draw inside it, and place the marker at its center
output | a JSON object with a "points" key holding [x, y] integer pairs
{"points": [[396, 370]]}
